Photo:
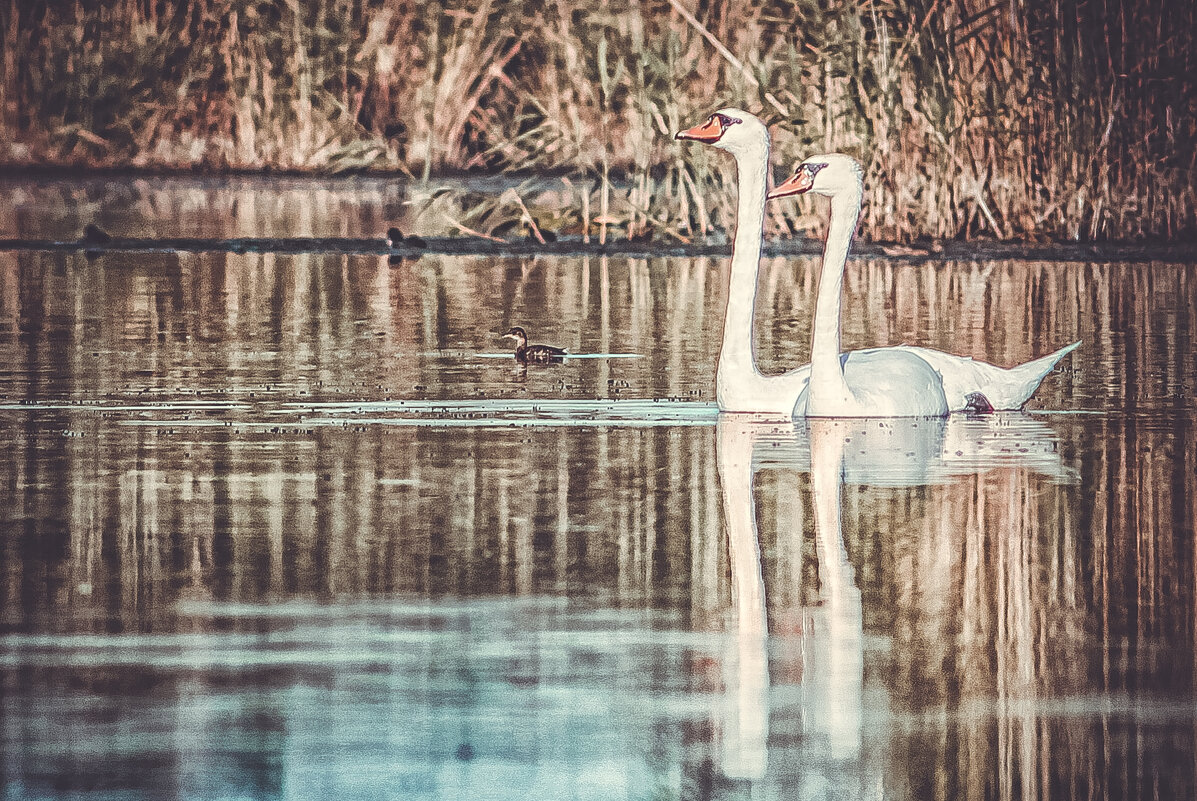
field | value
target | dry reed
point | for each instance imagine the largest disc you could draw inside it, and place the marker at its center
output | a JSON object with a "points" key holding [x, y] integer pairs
{"points": [[1025, 119]]}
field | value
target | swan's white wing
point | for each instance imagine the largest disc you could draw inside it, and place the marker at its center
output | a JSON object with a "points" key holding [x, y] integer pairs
{"points": [[1004, 387]]}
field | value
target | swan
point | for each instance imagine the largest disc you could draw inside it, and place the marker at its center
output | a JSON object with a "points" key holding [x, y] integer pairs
{"points": [[739, 385], [968, 384], [883, 382]]}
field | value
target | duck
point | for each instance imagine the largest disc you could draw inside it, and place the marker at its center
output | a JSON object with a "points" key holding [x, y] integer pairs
{"points": [[95, 235], [532, 353], [395, 238]]}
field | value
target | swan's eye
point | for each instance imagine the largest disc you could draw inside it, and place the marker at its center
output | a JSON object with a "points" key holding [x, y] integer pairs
{"points": [[809, 170], [725, 120]]}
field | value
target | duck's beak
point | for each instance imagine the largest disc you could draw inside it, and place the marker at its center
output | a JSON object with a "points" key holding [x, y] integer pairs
{"points": [[509, 336], [801, 181], [708, 132]]}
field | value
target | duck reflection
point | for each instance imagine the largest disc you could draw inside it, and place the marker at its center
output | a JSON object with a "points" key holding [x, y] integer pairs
{"points": [[831, 655]]}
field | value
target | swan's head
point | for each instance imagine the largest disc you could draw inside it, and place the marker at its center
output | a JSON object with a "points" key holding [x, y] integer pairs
{"points": [[730, 129], [832, 174]]}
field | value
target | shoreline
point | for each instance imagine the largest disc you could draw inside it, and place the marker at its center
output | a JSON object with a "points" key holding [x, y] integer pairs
{"points": [[567, 246]]}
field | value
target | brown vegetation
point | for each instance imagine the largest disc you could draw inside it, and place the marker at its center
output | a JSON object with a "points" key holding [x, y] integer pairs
{"points": [[1021, 119]]}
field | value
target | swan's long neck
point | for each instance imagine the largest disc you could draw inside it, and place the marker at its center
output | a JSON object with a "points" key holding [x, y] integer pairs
{"points": [[826, 372], [740, 386], [737, 361]]}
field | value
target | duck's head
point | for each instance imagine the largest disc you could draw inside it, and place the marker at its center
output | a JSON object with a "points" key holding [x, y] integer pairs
{"points": [[516, 333], [831, 174], [730, 129]]}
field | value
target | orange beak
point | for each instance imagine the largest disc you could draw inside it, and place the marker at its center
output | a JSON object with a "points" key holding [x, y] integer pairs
{"points": [[708, 132], [801, 181]]}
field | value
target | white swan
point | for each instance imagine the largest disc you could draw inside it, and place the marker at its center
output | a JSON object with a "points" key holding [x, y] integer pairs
{"points": [[884, 382], [739, 385], [967, 383]]}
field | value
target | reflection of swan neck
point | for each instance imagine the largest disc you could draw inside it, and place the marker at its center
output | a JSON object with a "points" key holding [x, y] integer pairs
{"points": [[734, 448], [737, 364], [844, 615], [827, 373], [827, 466], [747, 723]]}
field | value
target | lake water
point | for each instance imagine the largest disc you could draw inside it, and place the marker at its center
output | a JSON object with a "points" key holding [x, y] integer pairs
{"points": [[290, 526]]}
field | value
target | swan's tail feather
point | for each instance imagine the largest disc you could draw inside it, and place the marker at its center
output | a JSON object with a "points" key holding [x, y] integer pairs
{"points": [[1028, 376], [1004, 388], [1040, 367]]}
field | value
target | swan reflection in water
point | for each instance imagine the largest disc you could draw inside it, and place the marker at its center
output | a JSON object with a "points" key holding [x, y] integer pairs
{"points": [[888, 453]]}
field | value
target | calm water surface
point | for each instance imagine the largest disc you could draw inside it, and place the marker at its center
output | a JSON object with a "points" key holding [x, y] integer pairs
{"points": [[286, 527]]}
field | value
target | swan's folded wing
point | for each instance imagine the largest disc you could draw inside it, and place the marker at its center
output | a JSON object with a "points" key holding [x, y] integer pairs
{"points": [[1005, 387]]}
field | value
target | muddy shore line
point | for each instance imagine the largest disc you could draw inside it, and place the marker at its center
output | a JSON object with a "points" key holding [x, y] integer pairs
{"points": [[572, 246]]}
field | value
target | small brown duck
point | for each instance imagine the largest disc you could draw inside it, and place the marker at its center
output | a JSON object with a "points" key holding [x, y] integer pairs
{"points": [[532, 353]]}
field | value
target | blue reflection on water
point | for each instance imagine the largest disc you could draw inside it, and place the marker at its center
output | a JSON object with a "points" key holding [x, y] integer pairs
{"points": [[487, 699]]}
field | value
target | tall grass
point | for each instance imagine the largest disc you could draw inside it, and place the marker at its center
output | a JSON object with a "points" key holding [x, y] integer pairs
{"points": [[1020, 119]]}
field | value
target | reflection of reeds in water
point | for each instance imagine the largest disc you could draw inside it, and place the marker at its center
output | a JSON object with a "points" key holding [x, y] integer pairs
{"points": [[991, 587], [1009, 598], [217, 513], [279, 319], [1039, 119], [197, 206]]}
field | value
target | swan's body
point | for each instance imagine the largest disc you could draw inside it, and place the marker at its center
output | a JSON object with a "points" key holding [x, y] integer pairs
{"points": [[964, 378], [741, 387], [874, 383], [1005, 388]]}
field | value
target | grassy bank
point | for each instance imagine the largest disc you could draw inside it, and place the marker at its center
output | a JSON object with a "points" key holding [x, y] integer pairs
{"points": [[1073, 119]]}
